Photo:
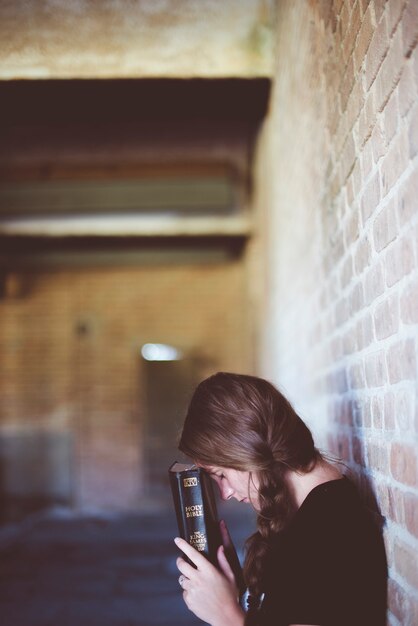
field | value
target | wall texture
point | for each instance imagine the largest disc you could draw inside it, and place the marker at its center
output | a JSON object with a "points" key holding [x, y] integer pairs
{"points": [[135, 38], [337, 173]]}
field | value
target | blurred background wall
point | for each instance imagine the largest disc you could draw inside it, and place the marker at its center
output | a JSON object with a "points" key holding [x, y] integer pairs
{"points": [[125, 213]]}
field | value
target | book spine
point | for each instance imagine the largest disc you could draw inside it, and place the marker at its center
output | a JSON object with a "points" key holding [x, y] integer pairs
{"points": [[193, 512]]}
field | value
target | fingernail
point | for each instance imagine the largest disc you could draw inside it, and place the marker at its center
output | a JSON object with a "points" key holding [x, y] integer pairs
{"points": [[176, 540]]}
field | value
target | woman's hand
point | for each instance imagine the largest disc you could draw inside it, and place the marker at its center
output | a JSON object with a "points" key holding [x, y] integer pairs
{"points": [[210, 594], [232, 556]]}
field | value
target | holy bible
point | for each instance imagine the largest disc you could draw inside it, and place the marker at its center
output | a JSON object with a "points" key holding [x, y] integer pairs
{"points": [[195, 506]]}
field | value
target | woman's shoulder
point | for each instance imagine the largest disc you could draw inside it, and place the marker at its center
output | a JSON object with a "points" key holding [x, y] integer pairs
{"points": [[333, 500]]}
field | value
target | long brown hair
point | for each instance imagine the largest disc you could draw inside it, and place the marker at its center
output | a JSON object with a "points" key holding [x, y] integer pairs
{"points": [[244, 423]]}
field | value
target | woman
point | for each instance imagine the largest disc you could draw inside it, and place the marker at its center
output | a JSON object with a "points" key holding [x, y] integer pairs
{"points": [[316, 557]]}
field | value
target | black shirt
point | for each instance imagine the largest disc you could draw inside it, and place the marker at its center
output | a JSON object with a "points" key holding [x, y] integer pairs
{"points": [[328, 567]]}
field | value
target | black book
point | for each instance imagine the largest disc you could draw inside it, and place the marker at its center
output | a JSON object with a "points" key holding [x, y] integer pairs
{"points": [[195, 506]]}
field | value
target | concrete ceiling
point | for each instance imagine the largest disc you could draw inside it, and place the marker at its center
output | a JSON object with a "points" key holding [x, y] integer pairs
{"points": [[136, 39]]}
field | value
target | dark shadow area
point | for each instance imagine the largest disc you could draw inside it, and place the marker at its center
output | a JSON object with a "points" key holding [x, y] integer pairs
{"points": [[106, 570], [131, 100]]}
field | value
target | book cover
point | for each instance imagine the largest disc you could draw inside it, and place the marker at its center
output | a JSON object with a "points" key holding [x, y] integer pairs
{"points": [[195, 506]]}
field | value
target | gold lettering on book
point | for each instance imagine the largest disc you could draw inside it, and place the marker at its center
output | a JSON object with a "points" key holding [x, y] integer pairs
{"points": [[195, 510], [190, 482], [198, 540]]}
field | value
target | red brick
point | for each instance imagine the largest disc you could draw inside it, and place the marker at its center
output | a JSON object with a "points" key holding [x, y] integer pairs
{"points": [[401, 361], [336, 348], [348, 157], [403, 463], [374, 284], [344, 19], [364, 39], [407, 89], [390, 72], [375, 367], [349, 342], [389, 408], [377, 412], [353, 29], [406, 563], [344, 448], [385, 227], [394, 163], [395, 9], [371, 198], [356, 178], [398, 601], [362, 255], [367, 119], [408, 199], [351, 230], [364, 4], [356, 298], [379, 7], [350, 196], [365, 413], [354, 105], [358, 451], [378, 456], [378, 143], [414, 61], [347, 413], [410, 27], [346, 273], [367, 159], [377, 51], [409, 303], [361, 412], [337, 5], [411, 513], [413, 134], [399, 260], [356, 376], [391, 118], [364, 332], [404, 409], [339, 380], [386, 317]]}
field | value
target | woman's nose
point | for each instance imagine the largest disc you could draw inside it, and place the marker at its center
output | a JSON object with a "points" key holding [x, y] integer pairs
{"points": [[226, 492]]}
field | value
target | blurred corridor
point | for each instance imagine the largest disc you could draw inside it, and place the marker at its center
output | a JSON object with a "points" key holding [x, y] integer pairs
{"points": [[97, 570]]}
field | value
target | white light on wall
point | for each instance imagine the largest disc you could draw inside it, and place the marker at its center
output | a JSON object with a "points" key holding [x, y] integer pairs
{"points": [[160, 352]]}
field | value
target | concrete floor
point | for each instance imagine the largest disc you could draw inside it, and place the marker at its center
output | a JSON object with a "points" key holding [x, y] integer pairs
{"points": [[98, 570]]}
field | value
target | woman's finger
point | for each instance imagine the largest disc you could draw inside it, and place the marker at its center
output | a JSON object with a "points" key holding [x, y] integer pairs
{"points": [[184, 582], [198, 559], [224, 565], [226, 537], [185, 568]]}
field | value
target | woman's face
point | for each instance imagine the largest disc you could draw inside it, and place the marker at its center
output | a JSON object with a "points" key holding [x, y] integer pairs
{"points": [[237, 484]]}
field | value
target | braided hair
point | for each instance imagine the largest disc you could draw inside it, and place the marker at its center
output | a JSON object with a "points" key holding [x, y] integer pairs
{"points": [[244, 423]]}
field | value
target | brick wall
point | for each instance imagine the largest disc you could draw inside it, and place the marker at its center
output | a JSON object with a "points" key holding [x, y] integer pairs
{"points": [[337, 180], [70, 363]]}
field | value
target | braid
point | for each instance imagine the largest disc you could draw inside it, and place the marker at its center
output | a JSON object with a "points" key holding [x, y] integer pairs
{"points": [[275, 511]]}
